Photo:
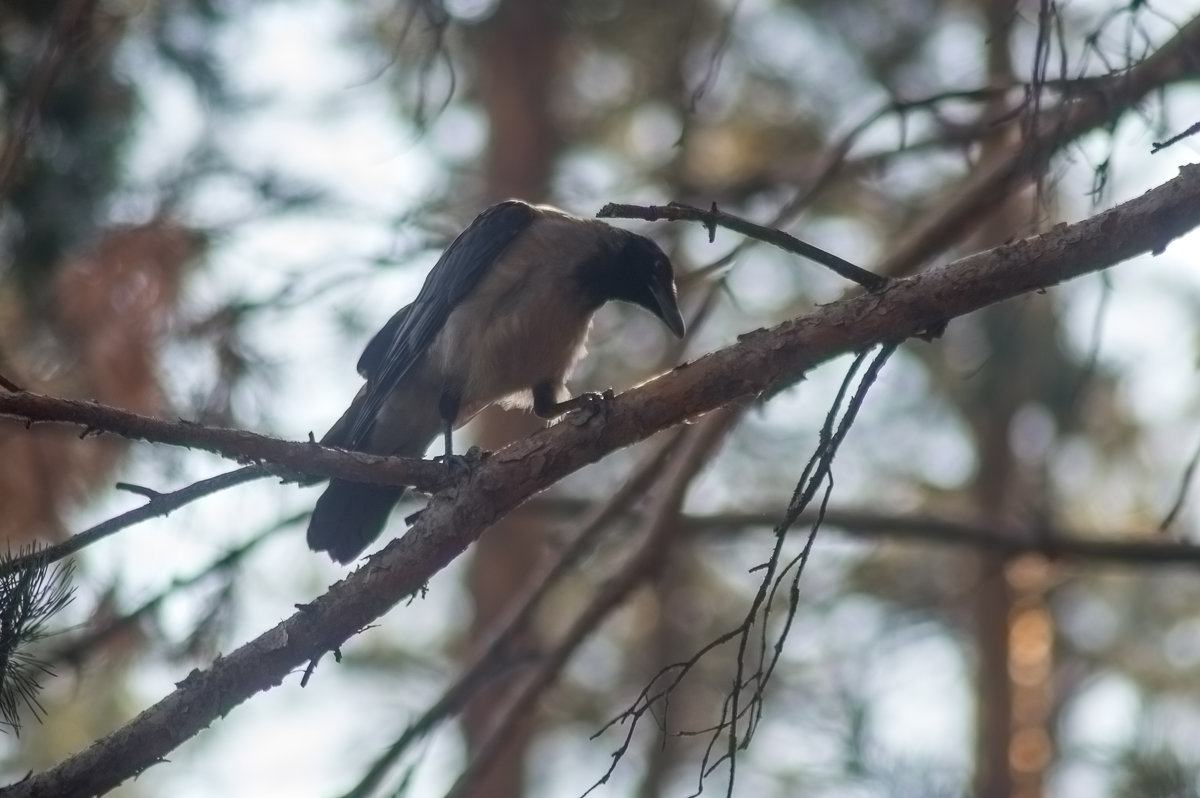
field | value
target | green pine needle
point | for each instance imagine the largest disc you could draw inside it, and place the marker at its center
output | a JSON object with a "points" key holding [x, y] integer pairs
{"points": [[29, 597]]}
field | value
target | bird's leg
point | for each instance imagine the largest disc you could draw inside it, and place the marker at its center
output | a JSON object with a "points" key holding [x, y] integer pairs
{"points": [[448, 407], [460, 465], [546, 405]]}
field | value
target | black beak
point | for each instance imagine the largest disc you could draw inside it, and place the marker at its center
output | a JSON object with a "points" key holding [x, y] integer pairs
{"points": [[668, 307]]}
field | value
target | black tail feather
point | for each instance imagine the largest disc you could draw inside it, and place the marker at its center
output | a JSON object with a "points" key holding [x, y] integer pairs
{"points": [[348, 516]]}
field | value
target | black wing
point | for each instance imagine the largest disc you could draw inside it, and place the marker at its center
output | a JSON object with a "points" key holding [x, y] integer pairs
{"points": [[406, 336], [372, 358]]}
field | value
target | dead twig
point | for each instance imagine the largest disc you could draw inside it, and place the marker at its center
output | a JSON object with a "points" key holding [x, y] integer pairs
{"points": [[714, 218]]}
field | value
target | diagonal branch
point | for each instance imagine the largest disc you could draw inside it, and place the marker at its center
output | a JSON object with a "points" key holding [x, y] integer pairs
{"points": [[159, 504], [758, 363]]}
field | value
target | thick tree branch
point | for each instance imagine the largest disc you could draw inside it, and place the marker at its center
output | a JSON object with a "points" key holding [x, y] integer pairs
{"points": [[758, 363]]}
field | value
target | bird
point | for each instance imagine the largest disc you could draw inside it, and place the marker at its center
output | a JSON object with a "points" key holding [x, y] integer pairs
{"points": [[501, 318]]}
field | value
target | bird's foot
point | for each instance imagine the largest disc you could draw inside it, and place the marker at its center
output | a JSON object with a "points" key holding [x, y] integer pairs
{"points": [[590, 406], [461, 465]]}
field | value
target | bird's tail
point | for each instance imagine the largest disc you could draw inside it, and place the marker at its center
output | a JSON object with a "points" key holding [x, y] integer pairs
{"points": [[348, 516]]}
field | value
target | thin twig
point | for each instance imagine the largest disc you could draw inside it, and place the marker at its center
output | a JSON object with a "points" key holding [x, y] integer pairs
{"points": [[160, 504], [816, 475], [1185, 482], [1162, 145], [9, 385], [138, 490], [714, 218]]}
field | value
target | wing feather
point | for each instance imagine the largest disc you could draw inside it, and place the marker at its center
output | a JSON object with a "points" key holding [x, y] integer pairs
{"points": [[408, 334]]}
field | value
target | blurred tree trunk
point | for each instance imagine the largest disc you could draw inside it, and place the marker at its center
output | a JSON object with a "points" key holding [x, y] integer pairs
{"points": [[1011, 623], [994, 479], [992, 610], [517, 55]]}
